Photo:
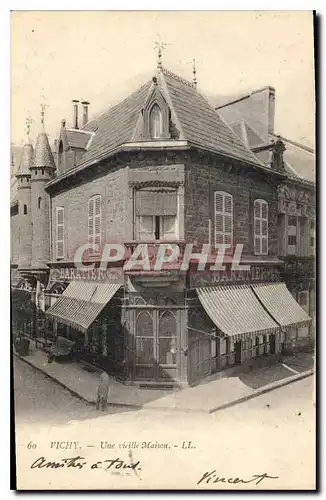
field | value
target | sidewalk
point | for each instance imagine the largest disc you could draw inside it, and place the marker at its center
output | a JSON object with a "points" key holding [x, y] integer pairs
{"points": [[217, 393]]}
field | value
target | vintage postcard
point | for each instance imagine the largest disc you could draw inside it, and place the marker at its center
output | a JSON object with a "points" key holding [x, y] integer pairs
{"points": [[163, 220]]}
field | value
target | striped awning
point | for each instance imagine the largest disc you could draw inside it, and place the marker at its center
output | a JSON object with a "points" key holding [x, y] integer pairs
{"points": [[236, 311], [281, 305], [81, 303]]}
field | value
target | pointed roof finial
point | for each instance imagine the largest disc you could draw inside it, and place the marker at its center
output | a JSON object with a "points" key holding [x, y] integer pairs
{"points": [[28, 123], [159, 45], [194, 72], [43, 108]]}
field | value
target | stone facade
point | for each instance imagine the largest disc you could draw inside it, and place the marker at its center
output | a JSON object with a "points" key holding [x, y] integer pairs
{"points": [[204, 176]]}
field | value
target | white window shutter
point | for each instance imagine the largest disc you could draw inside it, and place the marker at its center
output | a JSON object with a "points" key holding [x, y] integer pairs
{"points": [[94, 221], [223, 207], [168, 227], [260, 227], [145, 227]]}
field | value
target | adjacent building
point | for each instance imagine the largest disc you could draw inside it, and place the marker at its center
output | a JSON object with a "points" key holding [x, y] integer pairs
{"points": [[162, 166], [251, 116]]}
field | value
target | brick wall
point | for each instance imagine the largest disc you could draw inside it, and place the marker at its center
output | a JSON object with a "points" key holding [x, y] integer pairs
{"points": [[14, 238], [203, 179], [112, 183], [113, 188]]}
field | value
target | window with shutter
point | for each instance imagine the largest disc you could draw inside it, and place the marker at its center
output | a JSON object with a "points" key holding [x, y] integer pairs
{"points": [[223, 208], [59, 232], [260, 227], [156, 210], [145, 227], [168, 224], [94, 222]]}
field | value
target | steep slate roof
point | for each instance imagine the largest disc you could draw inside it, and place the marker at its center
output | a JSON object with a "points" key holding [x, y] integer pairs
{"points": [[43, 156], [299, 160], [116, 126], [21, 159], [78, 138], [27, 160], [247, 134], [201, 126]]}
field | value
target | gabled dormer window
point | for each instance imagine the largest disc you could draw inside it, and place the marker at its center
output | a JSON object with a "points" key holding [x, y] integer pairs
{"points": [[156, 116], [156, 122]]}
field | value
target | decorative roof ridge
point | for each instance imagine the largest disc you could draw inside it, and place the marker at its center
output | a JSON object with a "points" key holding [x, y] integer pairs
{"points": [[247, 95], [80, 130], [295, 143], [177, 77]]}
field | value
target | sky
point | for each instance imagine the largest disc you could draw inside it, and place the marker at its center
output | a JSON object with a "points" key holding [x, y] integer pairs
{"points": [[102, 56]]}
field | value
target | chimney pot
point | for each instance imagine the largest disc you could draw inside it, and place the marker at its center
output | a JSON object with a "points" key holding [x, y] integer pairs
{"points": [[85, 111], [75, 112]]}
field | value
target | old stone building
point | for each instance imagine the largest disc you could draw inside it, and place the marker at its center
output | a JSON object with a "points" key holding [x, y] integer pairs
{"points": [[159, 167]]}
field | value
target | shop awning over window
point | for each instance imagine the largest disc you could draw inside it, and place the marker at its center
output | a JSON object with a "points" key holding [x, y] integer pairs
{"points": [[281, 305], [81, 303], [236, 311]]}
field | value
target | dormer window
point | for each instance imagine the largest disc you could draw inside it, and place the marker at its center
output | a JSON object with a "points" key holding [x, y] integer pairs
{"points": [[155, 117], [156, 122]]}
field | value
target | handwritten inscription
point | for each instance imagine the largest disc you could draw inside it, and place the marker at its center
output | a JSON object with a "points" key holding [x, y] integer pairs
{"points": [[79, 462], [212, 477]]}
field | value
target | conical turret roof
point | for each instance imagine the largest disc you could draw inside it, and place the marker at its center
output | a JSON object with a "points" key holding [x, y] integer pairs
{"points": [[27, 160], [43, 156]]}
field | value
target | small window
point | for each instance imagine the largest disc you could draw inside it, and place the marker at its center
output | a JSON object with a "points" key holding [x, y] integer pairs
{"points": [[25, 209], [35, 172], [223, 207], [156, 122], [312, 241], [42, 171], [39, 202], [312, 224], [292, 240], [261, 227], [292, 220], [303, 298]]}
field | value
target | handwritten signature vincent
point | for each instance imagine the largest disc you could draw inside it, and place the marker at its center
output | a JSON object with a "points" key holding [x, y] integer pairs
{"points": [[79, 463], [212, 477]]}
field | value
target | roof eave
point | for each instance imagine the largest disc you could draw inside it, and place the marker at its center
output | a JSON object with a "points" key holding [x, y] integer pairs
{"points": [[126, 147], [257, 165]]}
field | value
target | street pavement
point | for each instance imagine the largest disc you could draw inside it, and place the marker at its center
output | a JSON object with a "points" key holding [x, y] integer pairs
{"points": [[273, 433], [38, 398]]}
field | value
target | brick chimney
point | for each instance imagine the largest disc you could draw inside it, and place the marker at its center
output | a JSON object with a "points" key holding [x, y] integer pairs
{"points": [[271, 110], [75, 113], [85, 112]]}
